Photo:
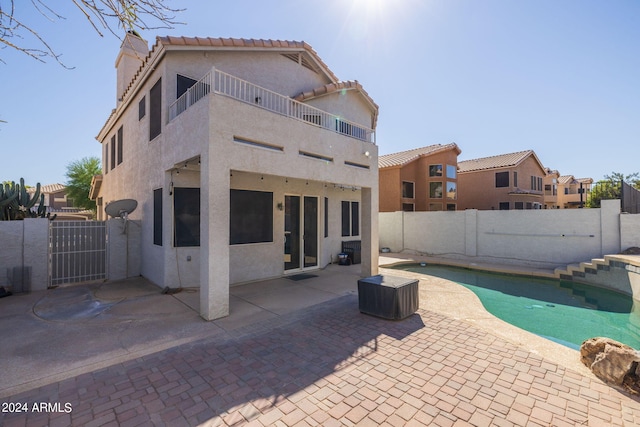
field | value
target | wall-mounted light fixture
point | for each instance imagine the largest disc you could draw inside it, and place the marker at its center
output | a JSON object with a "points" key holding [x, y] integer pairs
{"points": [[280, 206]]}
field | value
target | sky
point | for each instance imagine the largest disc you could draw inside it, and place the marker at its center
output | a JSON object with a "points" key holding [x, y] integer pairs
{"points": [[494, 76]]}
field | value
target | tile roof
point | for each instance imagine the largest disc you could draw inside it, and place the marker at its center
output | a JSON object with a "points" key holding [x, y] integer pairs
{"points": [[220, 43], [48, 189], [336, 87], [494, 162], [570, 179], [565, 179], [404, 157], [231, 44]]}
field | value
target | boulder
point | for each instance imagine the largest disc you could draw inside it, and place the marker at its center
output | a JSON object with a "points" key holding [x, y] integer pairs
{"points": [[613, 362]]}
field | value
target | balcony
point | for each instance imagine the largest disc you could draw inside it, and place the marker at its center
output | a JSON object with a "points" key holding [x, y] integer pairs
{"points": [[230, 86]]}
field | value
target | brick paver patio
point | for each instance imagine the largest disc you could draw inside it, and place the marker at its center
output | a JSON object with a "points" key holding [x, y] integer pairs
{"points": [[331, 365]]}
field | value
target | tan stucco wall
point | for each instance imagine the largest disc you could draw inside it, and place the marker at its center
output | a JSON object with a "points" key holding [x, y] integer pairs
{"points": [[477, 189], [391, 179], [390, 190]]}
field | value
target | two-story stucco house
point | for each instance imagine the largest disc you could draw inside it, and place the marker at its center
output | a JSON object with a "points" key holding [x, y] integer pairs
{"points": [[422, 179], [573, 192], [565, 191], [506, 181], [249, 159]]}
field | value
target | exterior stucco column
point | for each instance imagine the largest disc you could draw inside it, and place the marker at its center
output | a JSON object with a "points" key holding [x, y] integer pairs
{"points": [[610, 226], [214, 237], [370, 238]]}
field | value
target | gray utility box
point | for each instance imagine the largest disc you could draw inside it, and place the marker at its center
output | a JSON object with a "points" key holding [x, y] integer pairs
{"points": [[388, 297]]}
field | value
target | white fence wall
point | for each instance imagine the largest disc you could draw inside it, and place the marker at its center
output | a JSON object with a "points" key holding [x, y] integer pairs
{"points": [[546, 238], [26, 244], [630, 230]]}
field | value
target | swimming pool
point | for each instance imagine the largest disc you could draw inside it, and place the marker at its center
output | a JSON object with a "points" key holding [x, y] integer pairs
{"points": [[565, 312]]}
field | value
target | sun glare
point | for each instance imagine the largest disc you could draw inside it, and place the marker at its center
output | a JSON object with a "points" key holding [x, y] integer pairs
{"points": [[369, 20]]}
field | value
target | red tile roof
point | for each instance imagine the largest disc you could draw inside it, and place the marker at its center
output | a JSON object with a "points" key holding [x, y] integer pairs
{"points": [[495, 162], [404, 157], [232, 44]]}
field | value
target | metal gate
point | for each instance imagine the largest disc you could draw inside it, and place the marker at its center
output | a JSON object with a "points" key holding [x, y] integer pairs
{"points": [[77, 251]]}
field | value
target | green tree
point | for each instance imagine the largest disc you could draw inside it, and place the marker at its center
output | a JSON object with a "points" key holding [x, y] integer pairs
{"points": [[79, 174], [610, 187]]}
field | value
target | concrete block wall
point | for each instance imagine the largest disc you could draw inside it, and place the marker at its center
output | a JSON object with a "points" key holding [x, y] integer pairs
{"points": [[124, 254], [25, 244], [543, 238], [629, 231]]}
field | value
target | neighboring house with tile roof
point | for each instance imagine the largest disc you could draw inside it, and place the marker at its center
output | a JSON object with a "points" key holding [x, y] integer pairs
{"points": [[506, 181], [573, 192], [422, 179], [565, 191], [249, 159], [59, 206]]}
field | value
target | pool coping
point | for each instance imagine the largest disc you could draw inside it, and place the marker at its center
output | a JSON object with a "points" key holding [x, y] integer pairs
{"points": [[436, 295]]}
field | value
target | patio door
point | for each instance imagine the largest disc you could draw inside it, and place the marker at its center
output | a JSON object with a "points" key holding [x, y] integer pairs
{"points": [[300, 232]]}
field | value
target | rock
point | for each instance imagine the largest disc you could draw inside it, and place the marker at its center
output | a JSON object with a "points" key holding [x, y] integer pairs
{"points": [[634, 250], [613, 362]]}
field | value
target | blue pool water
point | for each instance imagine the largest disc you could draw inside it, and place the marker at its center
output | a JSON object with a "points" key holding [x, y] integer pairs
{"points": [[564, 312]]}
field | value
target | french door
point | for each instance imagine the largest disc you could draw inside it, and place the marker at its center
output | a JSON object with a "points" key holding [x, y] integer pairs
{"points": [[300, 232]]}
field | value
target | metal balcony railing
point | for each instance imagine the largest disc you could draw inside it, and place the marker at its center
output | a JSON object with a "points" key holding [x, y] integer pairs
{"points": [[241, 90]]}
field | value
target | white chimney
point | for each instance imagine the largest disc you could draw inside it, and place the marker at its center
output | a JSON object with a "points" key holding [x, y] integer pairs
{"points": [[132, 53]]}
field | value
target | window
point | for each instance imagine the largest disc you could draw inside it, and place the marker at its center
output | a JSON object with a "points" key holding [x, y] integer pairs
{"points": [[536, 183], [142, 108], [157, 217], [106, 158], [155, 110], [515, 179], [451, 171], [504, 206], [529, 205], [502, 179], [407, 190], [120, 145], [183, 84], [113, 151], [451, 206], [452, 190], [326, 217], [435, 190], [519, 205], [435, 206], [435, 170], [251, 217], [186, 208], [355, 218], [350, 218], [408, 207]]}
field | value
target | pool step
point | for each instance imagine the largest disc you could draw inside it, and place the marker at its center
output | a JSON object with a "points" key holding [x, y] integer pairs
{"points": [[582, 270], [579, 294]]}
